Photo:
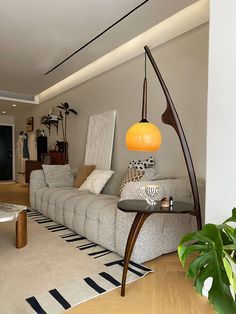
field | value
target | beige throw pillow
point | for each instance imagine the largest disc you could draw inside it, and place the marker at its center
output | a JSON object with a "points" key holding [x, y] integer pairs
{"points": [[96, 181], [132, 175], [82, 174]]}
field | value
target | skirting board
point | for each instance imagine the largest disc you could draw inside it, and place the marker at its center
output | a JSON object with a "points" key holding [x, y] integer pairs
{"points": [[100, 138]]}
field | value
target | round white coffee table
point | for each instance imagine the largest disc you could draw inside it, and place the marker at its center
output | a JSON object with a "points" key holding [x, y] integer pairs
{"points": [[12, 212]]}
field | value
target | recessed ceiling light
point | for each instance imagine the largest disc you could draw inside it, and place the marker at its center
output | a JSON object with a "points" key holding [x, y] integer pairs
{"points": [[13, 105], [4, 111]]}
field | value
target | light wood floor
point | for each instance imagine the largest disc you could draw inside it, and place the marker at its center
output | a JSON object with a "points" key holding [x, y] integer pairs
{"points": [[166, 291]]}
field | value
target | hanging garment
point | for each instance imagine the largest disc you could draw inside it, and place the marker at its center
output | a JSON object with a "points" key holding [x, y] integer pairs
{"points": [[19, 146], [32, 144], [20, 161]]}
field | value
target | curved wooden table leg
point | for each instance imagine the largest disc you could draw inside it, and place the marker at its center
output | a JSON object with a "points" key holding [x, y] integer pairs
{"points": [[21, 230], [133, 234]]}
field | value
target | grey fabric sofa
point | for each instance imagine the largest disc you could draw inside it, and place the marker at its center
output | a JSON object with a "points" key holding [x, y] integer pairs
{"points": [[97, 217]]}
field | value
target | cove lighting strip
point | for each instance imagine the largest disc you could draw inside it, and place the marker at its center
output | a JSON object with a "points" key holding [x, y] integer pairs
{"points": [[179, 23]]}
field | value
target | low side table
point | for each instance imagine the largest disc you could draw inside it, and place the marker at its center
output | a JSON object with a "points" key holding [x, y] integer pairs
{"points": [[143, 211], [11, 212]]}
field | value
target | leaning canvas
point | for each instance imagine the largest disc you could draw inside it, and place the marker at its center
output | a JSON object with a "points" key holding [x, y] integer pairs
{"points": [[100, 138]]}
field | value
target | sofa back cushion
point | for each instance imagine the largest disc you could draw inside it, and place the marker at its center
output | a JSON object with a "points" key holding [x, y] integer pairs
{"points": [[82, 174], [113, 185], [58, 175]]}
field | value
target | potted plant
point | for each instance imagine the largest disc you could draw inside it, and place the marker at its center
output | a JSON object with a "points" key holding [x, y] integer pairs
{"points": [[67, 110], [45, 119], [39, 132], [215, 257]]}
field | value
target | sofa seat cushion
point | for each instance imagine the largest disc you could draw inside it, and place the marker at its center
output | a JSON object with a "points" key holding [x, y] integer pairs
{"points": [[150, 242], [92, 216], [75, 212], [175, 226], [56, 206], [100, 221], [97, 208], [167, 231], [46, 195]]}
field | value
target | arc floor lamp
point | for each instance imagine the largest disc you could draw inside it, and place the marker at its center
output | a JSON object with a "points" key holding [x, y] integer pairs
{"points": [[146, 136]]}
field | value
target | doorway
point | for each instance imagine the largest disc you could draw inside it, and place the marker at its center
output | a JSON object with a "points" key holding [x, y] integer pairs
{"points": [[6, 152]]}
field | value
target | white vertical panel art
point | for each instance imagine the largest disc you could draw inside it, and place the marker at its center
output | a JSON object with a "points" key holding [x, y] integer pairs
{"points": [[100, 138]]}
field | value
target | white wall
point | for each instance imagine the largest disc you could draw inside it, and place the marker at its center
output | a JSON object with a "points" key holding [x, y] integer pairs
{"points": [[183, 63], [221, 115], [7, 119]]}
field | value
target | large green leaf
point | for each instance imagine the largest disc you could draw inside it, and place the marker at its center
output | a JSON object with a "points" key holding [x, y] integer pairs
{"points": [[230, 247], [73, 111], [228, 231], [195, 266], [65, 105], [230, 273], [61, 107], [208, 264], [233, 217], [185, 250]]}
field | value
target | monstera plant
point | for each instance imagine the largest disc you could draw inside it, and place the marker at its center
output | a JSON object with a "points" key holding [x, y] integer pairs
{"points": [[214, 257]]}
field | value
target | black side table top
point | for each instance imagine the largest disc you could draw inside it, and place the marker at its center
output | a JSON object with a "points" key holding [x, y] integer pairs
{"points": [[141, 206]]}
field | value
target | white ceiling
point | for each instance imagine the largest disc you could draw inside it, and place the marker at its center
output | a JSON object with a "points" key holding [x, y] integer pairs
{"points": [[21, 109], [37, 35]]}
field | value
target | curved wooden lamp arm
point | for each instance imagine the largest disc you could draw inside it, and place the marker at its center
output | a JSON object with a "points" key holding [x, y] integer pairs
{"points": [[170, 116]]}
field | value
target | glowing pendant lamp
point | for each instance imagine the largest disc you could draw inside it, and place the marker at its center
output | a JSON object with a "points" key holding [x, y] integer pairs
{"points": [[143, 136], [146, 136]]}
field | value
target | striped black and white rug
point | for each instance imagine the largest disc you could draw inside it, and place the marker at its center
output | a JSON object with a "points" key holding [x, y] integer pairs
{"points": [[58, 269]]}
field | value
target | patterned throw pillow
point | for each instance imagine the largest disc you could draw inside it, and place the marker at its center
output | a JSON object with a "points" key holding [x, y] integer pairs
{"points": [[142, 164], [132, 175]]}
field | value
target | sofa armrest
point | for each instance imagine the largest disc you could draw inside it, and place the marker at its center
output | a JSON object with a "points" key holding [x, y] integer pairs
{"points": [[37, 181], [178, 188]]}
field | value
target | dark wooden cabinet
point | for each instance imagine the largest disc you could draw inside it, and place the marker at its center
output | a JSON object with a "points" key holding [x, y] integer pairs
{"points": [[57, 158], [31, 165], [42, 146], [53, 158]]}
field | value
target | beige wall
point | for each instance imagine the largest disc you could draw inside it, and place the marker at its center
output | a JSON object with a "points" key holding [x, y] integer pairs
{"points": [[183, 63]]}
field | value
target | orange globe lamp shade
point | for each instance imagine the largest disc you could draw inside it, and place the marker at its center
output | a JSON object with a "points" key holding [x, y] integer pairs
{"points": [[143, 136]]}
